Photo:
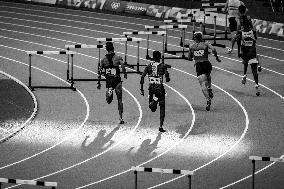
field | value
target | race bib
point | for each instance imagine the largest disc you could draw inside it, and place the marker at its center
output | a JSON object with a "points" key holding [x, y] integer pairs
{"points": [[111, 71], [154, 80], [199, 53], [248, 43], [253, 61]]}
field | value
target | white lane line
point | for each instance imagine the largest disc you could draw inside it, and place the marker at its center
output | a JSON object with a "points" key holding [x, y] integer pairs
{"points": [[103, 14], [107, 33], [124, 139], [231, 148], [161, 154], [83, 22], [64, 139], [238, 181], [33, 112]]}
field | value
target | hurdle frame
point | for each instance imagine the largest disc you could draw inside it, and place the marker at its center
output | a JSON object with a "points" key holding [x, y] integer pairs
{"points": [[30, 53], [53, 185], [159, 170], [83, 46], [258, 158], [126, 39], [172, 52]]}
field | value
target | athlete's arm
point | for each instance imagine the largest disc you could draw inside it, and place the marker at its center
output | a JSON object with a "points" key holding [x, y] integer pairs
{"points": [[142, 79], [190, 54], [213, 51]]}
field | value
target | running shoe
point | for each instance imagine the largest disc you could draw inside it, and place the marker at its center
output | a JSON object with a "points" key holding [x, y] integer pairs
{"points": [[210, 93], [244, 79], [109, 96], [259, 68], [257, 90], [229, 50], [162, 130], [121, 121], [208, 105]]}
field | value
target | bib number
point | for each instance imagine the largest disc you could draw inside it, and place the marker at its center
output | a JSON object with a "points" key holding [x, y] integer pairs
{"points": [[111, 71], [154, 80], [248, 43], [199, 53]]}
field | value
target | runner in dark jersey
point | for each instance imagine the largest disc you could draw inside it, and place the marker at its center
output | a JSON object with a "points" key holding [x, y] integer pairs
{"points": [[247, 41], [199, 52], [155, 71], [110, 68]]}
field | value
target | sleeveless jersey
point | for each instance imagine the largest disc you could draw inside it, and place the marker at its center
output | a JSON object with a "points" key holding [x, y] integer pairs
{"points": [[200, 51], [248, 46], [156, 74], [111, 69], [233, 8]]}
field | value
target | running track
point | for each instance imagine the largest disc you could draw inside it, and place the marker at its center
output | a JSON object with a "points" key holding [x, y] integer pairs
{"points": [[75, 140]]}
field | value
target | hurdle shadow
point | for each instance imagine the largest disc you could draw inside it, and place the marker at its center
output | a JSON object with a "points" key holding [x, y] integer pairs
{"points": [[102, 142], [199, 127], [144, 152]]}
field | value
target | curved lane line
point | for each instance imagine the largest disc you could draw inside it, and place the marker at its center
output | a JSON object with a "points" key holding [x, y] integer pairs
{"points": [[33, 113], [233, 146], [65, 14], [166, 151], [86, 117]]}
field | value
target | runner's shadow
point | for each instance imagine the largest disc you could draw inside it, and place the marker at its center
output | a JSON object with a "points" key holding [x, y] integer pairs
{"points": [[100, 143], [144, 152], [198, 128]]}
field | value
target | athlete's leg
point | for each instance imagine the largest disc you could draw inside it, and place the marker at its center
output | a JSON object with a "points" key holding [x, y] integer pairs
{"points": [[244, 79], [255, 77], [152, 103], [209, 86], [118, 91], [162, 104], [204, 86]]}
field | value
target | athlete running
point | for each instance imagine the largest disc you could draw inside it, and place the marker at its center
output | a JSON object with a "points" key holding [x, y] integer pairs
{"points": [[199, 51], [155, 71], [110, 68]]}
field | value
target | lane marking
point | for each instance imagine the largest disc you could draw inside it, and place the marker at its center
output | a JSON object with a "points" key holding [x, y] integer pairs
{"points": [[34, 112]]}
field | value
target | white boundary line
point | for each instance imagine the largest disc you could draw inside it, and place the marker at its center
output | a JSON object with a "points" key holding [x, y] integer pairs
{"points": [[58, 13], [34, 109], [278, 95], [112, 34], [64, 139]]}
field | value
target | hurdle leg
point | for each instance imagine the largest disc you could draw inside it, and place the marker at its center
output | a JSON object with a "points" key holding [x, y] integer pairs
{"points": [[99, 72], [67, 74], [163, 50], [253, 173], [138, 56], [148, 37], [215, 35], [166, 41], [183, 33], [226, 27], [125, 53], [136, 184], [193, 25], [0, 184], [72, 71], [30, 72], [189, 181]]}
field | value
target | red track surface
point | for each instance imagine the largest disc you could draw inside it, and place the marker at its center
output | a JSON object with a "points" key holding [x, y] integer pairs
{"points": [[217, 147]]}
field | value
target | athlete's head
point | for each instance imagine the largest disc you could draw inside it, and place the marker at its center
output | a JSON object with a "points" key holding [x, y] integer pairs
{"points": [[197, 36], [109, 46], [246, 24], [157, 56], [242, 9]]}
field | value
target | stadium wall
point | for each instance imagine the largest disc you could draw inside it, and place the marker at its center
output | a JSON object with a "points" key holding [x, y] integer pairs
{"points": [[157, 11]]}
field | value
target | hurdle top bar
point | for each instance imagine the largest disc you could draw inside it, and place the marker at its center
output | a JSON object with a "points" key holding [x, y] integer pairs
{"points": [[159, 170], [120, 39], [28, 182], [187, 20], [50, 52], [84, 46], [213, 4], [166, 26], [258, 158], [145, 33]]}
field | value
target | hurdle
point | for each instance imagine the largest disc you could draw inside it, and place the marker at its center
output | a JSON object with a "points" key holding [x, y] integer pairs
{"points": [[30, 53], [159, 170], [166, 27], [184, 20], [126, 40], [53, 185], [83, 46], [148, 33], [258, 158]]}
